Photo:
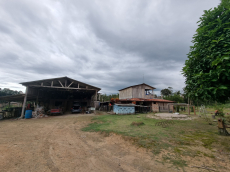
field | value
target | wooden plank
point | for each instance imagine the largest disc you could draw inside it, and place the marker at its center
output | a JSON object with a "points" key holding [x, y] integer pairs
{"points": [[52, 83], [60, 87], [96, 95], [24, 103], [60, 83], [42, 84], [78, 85], [70, 84]]}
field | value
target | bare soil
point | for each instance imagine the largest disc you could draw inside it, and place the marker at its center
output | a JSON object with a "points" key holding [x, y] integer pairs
{"points": [[58, 144], [169, 116]]}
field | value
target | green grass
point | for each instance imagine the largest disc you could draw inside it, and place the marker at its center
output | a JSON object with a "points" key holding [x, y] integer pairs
{"points": [[176, 139]]}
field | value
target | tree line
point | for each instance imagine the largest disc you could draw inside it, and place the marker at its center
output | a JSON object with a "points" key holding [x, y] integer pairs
{"points": [[8, 92]]}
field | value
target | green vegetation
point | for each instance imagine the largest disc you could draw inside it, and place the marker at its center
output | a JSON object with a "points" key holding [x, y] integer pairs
{"points": [[105, 97], [184, 138], [168, 94], [8, 92], [208, 66], [175, 97]]}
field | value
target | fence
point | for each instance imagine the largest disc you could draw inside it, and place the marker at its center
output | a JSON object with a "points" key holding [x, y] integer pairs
{"points": [[106, 108], [163, 108]]}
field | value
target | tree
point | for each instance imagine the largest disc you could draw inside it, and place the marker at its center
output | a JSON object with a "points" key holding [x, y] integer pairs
{"points": [[176, 98], [166, 91], [105, 97], [207, 70], [8, 92]]}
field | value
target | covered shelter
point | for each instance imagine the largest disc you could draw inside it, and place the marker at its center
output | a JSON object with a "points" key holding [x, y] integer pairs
{"points": [[54, 92], [180, 105]]}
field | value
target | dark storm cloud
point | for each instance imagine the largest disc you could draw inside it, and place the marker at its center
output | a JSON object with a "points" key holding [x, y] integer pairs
{"points": [[109, 44]]}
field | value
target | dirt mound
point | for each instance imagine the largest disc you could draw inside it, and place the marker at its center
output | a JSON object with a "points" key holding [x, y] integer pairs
{"points": [[137, 123]]}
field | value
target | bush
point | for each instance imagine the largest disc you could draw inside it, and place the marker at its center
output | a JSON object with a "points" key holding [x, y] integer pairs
{"points": [[220, 109]]}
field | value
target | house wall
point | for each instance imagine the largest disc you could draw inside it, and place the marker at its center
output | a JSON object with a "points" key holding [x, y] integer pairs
{"points": [[123, 109], [138, 91], [163, 104], [150, 96], [155, 107], [125, 94]]}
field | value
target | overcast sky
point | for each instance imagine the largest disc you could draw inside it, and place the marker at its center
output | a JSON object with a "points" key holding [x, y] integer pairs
{"points": [[110, 44]]}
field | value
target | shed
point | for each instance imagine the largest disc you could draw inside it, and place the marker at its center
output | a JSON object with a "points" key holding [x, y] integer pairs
{"points": [[57, 92], [124, 109]]}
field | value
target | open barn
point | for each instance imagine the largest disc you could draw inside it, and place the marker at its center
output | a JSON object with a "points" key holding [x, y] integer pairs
{"points": [[56, 92]]}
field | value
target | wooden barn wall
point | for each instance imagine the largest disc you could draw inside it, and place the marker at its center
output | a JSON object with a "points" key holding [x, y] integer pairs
{"points": [[68, 104], [32, 91], [125, 94]]}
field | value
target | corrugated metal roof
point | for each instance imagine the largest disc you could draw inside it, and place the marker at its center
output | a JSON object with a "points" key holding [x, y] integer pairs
{"points": [[61, 78], [146, 100], [17, 97], [137, 85]]}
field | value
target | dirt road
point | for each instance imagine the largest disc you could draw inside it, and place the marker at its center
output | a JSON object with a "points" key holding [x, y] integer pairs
{"points": [[58, 144]]}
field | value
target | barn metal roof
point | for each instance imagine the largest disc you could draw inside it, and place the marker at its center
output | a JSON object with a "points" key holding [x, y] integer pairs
{"points": [[17, 97], [54, 79]]}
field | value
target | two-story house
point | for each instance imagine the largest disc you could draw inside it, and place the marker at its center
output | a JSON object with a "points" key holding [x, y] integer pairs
{"points": [[143, 94]]}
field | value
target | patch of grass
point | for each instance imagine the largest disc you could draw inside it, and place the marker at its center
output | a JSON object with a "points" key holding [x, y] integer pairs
{"points": [[177, 150], [176, 138], [175, 161], [206, 138]]}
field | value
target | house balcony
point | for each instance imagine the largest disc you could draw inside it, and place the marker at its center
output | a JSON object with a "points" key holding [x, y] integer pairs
{"points": [[149, 96]]}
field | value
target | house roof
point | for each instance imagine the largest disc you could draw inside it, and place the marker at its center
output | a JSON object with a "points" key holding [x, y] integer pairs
{"points": [[56, 79], [125, 104], [146, 100], [137, 85]]}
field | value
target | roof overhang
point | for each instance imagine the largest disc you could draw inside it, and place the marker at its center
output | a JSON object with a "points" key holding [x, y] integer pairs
{"points": [[18, 97], [62, 83]]}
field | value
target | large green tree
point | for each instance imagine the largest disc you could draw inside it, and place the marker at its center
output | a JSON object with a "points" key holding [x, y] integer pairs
{"points": [[207, 70], [8, 92], [167, 91]]}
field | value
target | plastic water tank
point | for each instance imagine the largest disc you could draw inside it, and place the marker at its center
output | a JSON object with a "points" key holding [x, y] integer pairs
{"points": [[28, 114]]}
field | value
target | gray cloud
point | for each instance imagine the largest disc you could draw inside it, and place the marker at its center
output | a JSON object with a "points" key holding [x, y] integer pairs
{"points": [[109, 44]]}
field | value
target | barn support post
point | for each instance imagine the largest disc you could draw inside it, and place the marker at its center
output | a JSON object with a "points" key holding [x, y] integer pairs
{"points": [[24, 103], [96, 95]]}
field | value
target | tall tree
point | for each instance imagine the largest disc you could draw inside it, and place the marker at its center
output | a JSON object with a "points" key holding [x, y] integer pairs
{"points": [[207, 69], [7, 92], [166, 91]]}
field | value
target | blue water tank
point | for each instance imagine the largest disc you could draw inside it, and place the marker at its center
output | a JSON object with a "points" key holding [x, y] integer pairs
{"points": [[28, 114]]}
